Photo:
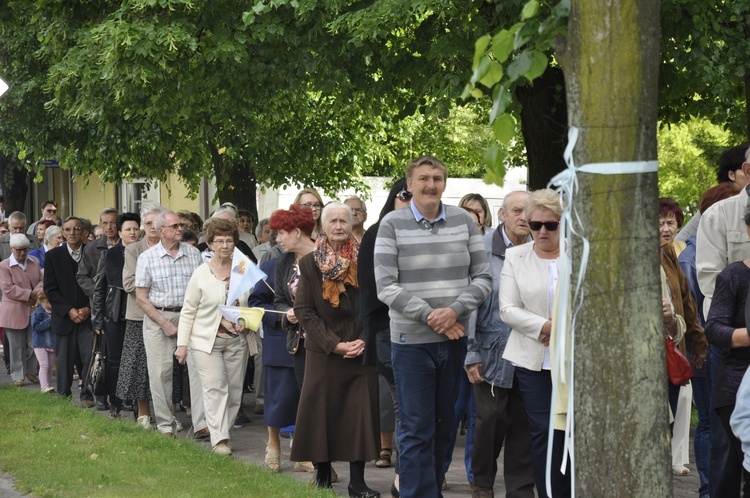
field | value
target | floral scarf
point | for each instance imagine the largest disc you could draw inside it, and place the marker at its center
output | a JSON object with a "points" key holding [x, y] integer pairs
{"points": [[338, 269]]}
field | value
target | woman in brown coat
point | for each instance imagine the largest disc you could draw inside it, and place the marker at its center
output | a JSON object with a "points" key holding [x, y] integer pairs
{"points": [[337, 419]]}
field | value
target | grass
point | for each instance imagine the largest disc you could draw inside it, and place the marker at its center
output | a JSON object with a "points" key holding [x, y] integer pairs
{"points": [[55, 449]]}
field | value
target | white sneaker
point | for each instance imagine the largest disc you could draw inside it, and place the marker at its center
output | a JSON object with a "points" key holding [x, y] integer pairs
{"points": [[177, 426], [144, 421]]}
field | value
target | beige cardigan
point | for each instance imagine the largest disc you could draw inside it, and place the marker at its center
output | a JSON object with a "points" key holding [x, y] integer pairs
{"points": [[200, 315]]}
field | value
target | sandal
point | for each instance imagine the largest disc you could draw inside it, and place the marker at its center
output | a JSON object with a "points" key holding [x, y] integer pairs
{"points": [[385, 458], [272, 460]]}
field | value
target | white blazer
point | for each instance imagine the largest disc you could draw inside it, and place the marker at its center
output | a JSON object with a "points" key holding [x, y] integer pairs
{"points": [[524, 305]]}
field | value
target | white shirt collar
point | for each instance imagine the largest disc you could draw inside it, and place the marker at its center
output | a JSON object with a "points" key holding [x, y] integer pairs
{"points": [[14, 262]]}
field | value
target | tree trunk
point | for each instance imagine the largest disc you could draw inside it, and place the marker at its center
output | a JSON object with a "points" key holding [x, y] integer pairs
{"points": [[611, 62], [544, 124], [14, 184], [235, 183]]}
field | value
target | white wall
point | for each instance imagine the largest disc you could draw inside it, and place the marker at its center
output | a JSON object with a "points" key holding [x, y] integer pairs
{"points": [[515, 179]]}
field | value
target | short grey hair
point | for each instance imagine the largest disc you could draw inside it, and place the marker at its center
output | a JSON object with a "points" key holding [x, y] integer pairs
{"points": [[157, 210], [259, 229], [161, 218], [17, 215], [51, 232], [362, 204], [108, 210], [225, 209], [334, 205], [19, 240]]}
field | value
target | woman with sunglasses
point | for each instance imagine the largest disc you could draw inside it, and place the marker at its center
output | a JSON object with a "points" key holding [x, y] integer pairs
{"points": [[527, 288], [376, 324]]}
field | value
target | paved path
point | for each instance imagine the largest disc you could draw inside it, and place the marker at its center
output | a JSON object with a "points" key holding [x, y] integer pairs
{"points": [[249, 443]]}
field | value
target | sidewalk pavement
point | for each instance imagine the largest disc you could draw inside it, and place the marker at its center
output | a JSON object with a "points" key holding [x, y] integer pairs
{"points": [[249, 442]]}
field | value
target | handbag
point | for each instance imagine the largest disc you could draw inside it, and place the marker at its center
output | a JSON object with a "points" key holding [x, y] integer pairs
{"points": [[96, 378], [292, 340], [678, 367]]}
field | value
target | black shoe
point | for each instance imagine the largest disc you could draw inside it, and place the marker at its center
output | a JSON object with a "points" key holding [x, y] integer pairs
{"points": [[127, 406], [241, 420], [363, 493], [394, 491], [251, 388], [101, 406], [114, 412]]}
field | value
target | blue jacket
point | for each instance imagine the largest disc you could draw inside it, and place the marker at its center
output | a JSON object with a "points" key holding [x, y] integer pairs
{"points": [[487, 341], [41, 325]]}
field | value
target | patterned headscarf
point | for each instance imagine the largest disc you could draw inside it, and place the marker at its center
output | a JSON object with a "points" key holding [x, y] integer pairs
{"points": [[338, 269]]}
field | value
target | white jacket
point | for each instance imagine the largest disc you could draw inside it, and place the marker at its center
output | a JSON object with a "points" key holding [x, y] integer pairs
{"points": [[524, 305]]}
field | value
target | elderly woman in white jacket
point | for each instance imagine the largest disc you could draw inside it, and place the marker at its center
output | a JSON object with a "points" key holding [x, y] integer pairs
{"points": [[218, 347], [527, 288]]}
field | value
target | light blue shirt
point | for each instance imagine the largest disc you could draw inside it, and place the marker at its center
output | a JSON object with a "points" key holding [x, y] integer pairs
{"points": [[419, 216]]}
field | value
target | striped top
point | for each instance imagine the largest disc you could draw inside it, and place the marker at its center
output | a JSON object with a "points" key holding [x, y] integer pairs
{"points": [[421, 266]]}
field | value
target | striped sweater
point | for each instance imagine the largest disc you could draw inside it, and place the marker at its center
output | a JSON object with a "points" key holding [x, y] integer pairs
{"points": [[420, 267]]}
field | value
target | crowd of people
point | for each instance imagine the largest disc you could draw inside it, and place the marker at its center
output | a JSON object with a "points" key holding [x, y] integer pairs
{"points": [[432, 317]]}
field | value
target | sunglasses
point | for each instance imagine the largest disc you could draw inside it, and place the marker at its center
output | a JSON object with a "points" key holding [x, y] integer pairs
{"points": [[551, 226], [404, 195]]}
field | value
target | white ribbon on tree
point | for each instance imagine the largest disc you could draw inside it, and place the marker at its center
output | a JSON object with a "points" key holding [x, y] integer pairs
{"points": [[566, 184]]}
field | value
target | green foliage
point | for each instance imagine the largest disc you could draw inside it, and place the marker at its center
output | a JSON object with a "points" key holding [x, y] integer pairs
{"points": [[511, 57], [704, 61], [688, 160], [288, 92]]}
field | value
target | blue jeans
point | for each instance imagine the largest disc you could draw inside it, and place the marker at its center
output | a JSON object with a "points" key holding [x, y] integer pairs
{"points": [[464, 404], [536, 391], [425, 377], [702, 441]]}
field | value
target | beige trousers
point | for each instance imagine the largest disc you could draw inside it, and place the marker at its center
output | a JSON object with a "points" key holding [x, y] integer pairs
{"points": [[222, 372]]}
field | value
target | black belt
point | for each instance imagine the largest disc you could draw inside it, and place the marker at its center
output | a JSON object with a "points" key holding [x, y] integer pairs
{"points": [[172, 310]]}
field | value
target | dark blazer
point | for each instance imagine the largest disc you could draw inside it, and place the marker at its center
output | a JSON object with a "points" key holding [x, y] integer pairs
{"points": [[62, 289]]}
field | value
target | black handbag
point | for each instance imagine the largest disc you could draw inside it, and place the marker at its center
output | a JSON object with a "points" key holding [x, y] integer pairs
{"points": [[292, 340], [113, 303], [96, 379]]}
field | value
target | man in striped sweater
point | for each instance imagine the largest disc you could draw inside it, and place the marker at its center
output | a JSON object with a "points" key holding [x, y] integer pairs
{"points": [[431, 270]]}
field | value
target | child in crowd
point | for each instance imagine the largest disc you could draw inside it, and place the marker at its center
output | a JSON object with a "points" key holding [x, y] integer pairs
{"points": [[44, 341]]}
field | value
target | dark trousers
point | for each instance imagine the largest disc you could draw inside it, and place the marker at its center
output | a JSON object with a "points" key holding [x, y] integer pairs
{"points": [[735, 478], [6, 353], [536, 391], [114, 336], [425, 377], [720, 446], [67, 348], [501, 418]]}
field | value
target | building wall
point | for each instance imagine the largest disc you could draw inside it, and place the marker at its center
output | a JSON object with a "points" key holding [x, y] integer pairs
{"points": [[88, 201]]}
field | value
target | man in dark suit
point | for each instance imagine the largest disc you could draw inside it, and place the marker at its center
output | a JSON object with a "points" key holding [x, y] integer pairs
{"points": [[71, 314]]}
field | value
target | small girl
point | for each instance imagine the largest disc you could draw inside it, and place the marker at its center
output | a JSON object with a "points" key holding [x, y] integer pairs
{"points": [[44, 341]]}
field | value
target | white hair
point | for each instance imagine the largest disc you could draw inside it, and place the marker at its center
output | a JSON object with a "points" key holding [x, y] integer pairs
{"points": [[334, 205], [51, 232], [19, 240]]}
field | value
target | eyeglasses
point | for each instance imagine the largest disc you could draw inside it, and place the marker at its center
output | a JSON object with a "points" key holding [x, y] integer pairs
{"points": [[313, 205], [404, 195], [73, 229], [20, 249], [551, 226], [50, 211], [173, 227], [358, 210]]}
